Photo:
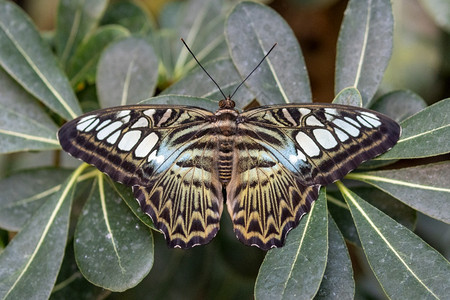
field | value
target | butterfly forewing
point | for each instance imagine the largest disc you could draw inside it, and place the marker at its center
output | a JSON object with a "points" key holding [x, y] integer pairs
{"points": [[166, 153], [320, 143]]}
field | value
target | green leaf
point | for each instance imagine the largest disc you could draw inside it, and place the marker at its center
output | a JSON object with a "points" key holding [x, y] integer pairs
{"points": [[424, 134], [17, 205], [110, 240], [75, 21], [341, 214], [364, 46], [23, 123], [129, 15], [83, 65], [26, 57], [127, 72], [399, 105], [425, 188], [251, 30], [405, 266], [127, 196], [30, 263], [440, 11], [348, 96], [196, 83], [337, 282], [183, 100], [296, 270]]}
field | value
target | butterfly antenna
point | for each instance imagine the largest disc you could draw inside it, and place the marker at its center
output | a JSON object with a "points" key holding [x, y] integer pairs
{"points": [[204, 69], [253, 70]]}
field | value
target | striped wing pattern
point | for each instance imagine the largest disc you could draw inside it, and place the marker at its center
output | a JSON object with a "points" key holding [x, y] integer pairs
{"points": [[172, 156], [166, 154], [283, 154]]}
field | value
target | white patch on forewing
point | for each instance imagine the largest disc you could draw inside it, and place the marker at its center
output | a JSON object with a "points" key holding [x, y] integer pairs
{"points": [[288, 117], [312, 121], [300, 156], [330, 113], [342, 136], [103, 124], [142, 122], [123, 113], [350, 120], [146, 145], [149, 112], [129, 140], [165, 117], [347, 127], [304, 111], [113, 138], [363, 121], [307, 144], [158, 158], [92, 126], [108, 130], [85, 122], [373, 121], [325, 138]]}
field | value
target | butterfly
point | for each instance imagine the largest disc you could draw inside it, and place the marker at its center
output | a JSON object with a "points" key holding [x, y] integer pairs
{"points": [[270, 161]]}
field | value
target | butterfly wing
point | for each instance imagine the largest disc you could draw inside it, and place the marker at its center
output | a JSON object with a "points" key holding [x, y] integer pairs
{"points": [[285, 153], [166, 154]]}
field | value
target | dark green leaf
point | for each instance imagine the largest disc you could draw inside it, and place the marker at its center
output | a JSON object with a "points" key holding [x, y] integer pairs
{"points": [[130, 15], [30, 263], [127, 72], [196, 83], [337, 282], [341, 214], [183, 100], [364, 46], [399, 105], [110, 240], [424, 134], [425, 188], [24, 192], [76, 20], [405, 266], [348, 96], [23, 123], [251, 30], [26, 57], [296, 270], [83, 65]]}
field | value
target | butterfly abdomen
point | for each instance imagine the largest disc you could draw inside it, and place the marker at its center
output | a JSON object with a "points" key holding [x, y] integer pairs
{"points": [[226, 123]]}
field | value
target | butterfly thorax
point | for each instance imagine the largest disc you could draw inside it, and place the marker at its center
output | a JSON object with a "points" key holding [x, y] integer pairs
{"points": [[225, 122]]}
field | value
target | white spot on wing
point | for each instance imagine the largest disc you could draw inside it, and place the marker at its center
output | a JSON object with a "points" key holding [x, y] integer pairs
{"points": [[312, 121], [158, 158], [123, 113], [108, 130], [92, 126], [325, 138], [146, 145], [307, 144], [373, 122], [342, 136], [350, 120], [149, 112], [165, 117], [347, 127], [142, 122], [300, 156], [103, 124], [85, 122], [364, 122], [304, 111], [113, 138], [129, 140]]}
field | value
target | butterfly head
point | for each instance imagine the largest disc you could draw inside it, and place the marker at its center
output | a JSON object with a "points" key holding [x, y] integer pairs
{"points": [[226, 103]]}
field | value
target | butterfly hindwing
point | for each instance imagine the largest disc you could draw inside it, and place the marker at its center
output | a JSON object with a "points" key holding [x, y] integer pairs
{"points": [[265, 200], [166, 154], [320, 143]]}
